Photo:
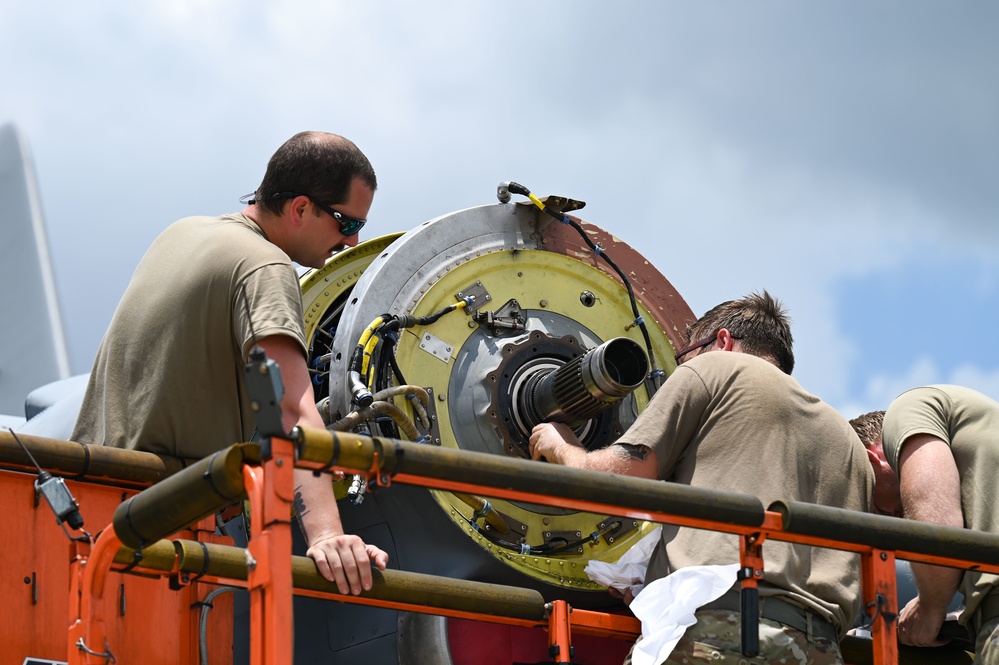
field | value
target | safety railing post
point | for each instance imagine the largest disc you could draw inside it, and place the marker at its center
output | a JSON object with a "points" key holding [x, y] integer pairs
{"points": [[559, 632], [270, 489], [750, 572], [881, 604], [79, 553]]}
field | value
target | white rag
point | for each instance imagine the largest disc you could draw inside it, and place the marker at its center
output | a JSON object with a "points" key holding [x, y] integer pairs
{"points": [[628, 572], [666, 607]]}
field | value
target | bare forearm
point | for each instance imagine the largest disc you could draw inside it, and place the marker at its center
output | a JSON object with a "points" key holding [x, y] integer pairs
{"points": [[625, 460], [936, 585], [341, 558], [605, 459], [629, 460], [315, 506]]}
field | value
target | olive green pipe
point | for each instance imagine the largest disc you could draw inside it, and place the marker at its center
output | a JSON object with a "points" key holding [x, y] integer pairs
{"points": [[387, 585], [73, 459], [158, 556], [346, 449], [445, 593], [888, 533], [357, 452], [205, 487]]}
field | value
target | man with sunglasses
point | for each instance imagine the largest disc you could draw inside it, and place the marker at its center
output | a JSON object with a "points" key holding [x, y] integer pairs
{"points": [[168, 377], [731, 417]]}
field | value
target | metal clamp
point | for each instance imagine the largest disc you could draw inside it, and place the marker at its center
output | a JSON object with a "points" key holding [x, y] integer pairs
{"points": [[81, 645], [880, 603]]}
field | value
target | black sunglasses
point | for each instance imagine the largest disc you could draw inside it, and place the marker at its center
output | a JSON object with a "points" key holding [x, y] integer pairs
{"points": [[693, 347], [699, 345], [348, 225]]}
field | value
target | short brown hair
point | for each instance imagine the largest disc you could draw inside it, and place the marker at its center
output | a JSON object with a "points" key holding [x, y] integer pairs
{"points": [[868, 427], [758, 321], [316, 164]]}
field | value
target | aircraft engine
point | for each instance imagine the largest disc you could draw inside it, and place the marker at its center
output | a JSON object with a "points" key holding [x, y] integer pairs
{"points": [[499, 317], [466, 332]]}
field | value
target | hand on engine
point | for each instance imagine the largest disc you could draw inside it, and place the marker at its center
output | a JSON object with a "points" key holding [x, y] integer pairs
{"points": [[547, 439]]}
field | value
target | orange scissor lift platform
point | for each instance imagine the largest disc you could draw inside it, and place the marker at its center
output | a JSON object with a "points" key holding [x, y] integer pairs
{"points": [[135, 593]]}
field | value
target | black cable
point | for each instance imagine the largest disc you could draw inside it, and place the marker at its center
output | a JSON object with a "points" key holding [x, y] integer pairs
{"points": [[517, 188], [396, 369]]}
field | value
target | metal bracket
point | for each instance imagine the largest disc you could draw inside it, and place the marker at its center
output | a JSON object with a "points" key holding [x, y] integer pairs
{"points": [[567, 536], [434, 433], [266, 389], [479, 295], [436, 347], [507, 318], [626, 525], [516, 527]]}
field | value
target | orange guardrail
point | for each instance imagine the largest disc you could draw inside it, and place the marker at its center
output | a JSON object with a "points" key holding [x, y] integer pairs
{"points": [[269, 571]]}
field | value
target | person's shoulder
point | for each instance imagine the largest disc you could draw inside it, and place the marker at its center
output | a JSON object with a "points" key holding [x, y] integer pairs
{"points": [[729, 361], [958, 393], [246, 235], [237, 223], [942, 400], [939, 395], [196, 221], [200, 226], [232, 239], [228, 221], [717, 369]]}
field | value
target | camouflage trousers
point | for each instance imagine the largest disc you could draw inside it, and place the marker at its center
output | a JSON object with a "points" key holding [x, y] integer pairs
{"points": [[987, 643], [716, 639]]}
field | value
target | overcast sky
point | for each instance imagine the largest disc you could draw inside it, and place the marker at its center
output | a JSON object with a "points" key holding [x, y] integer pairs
{"points": [[843, 155]]}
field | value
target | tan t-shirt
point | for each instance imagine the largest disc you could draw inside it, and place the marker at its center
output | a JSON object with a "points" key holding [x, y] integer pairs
{"points": [[968, 422], [735, 422], [168, 377]]}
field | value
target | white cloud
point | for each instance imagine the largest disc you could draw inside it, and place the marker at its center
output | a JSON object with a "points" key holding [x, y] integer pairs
{"points": [[882, 389]]}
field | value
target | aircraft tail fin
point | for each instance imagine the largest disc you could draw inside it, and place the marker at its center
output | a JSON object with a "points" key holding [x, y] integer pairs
{"points": [[33, 347]]}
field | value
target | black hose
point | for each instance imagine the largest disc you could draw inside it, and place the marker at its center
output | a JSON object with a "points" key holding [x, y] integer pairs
{"points": [[517, 188]]}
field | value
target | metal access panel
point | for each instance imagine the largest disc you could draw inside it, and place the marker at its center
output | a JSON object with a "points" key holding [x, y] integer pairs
{"points": [[146, 621]]}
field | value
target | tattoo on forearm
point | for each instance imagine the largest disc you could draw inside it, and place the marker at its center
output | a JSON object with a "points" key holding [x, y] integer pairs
{"points": [[631, 451], [301, 511]]}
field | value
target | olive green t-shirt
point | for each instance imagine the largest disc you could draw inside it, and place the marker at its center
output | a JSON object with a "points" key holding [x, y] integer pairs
{"points": [[735, 422], [968, 422], [168, 377]]}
